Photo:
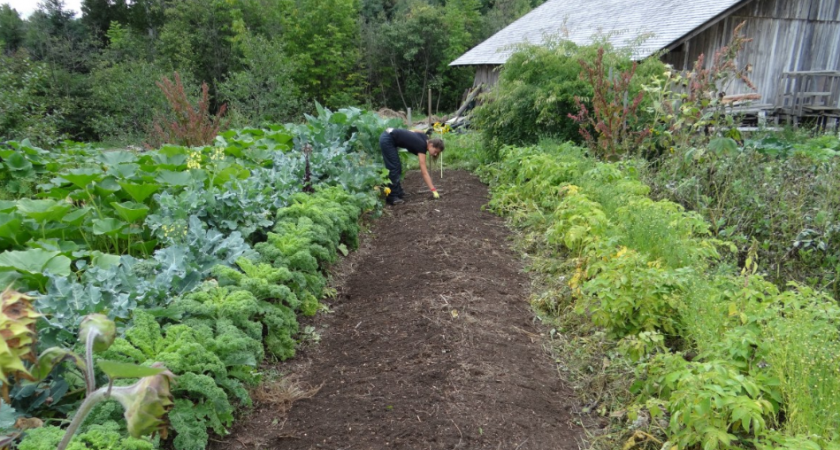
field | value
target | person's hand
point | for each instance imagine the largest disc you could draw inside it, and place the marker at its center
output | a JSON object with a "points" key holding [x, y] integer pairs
{"points": [[435, 194]]}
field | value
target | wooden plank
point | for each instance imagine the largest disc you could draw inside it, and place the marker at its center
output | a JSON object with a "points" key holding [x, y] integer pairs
{"points": [[811, 72], [806, 62]]}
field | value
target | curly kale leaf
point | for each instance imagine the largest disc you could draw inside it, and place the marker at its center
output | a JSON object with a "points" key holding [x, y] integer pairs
{"points": [[214, 303], [200, 404], [288, 249], [333, 212], [282, 324], [323, 240], [256, 318], [180, 348], [107, 436], [262, 280], [210, 353]]}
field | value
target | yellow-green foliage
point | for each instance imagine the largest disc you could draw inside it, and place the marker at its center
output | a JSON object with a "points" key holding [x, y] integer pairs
{"points": [[576, 221], [200, 355], [106, 436], [803, 340], [763, 366], [631, 294], [713, 403]]}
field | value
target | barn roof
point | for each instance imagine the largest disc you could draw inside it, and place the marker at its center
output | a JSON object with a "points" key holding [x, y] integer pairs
{"points": [[664, 21]]}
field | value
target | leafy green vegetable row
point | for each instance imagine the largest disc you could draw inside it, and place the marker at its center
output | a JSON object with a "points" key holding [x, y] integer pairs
{"points": [[214, 338], [724, 359], [137, 236]]}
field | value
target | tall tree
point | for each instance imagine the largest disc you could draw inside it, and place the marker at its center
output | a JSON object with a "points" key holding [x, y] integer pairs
{"points": [[463, 28], [198, 36], [501, 13], [148, 16], [263, 90], [413, 47], [12, 30], [54, 34], [324, 37], [55, 37], [97, 15]]}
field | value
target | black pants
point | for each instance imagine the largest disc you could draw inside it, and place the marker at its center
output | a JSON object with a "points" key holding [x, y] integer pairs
{"points": [[391, 157]]}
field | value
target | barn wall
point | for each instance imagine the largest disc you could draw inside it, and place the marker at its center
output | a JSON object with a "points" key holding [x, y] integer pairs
{"points": [[488, 74], [788, 35]]}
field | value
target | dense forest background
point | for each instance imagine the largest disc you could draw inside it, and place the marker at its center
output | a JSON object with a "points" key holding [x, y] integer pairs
{"points": [[93, 78]]}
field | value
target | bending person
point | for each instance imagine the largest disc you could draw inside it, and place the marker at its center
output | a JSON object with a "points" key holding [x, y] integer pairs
{"points": [[416, 143]]}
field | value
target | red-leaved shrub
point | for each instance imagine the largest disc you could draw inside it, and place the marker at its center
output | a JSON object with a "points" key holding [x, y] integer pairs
{"points": [[187, 125]]}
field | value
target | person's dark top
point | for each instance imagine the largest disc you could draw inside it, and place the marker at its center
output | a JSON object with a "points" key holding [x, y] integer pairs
{"points": [[409, 140]]}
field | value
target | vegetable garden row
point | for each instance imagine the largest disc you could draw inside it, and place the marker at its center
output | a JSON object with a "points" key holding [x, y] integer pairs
{"points": [[202, 257], [719, 356]]}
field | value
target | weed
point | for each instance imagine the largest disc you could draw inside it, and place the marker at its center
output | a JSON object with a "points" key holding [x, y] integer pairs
{"points": [[309, 335], [612, 116], [189, 125], [282, 393]]}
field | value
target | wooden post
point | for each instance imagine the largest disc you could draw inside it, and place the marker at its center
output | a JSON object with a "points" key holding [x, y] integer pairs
{"points": [[441, 165], [430, 107], [409, 119]]}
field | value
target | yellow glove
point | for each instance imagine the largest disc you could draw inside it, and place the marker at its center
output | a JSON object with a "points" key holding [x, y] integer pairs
{"points": [[435, 194]]}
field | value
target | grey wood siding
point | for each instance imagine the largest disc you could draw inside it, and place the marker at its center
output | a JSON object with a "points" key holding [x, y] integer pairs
{"points": [[788, 35], [487, 74]]}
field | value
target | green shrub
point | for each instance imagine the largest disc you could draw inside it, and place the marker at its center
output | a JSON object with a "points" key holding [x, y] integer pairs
{"points": [[778, 195], [711, 404], [534, 97], [536, 92], [25, 109], [263, 91], [126, 99]]}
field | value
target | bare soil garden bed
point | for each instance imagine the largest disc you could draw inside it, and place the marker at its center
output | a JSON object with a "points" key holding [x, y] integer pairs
{"points": [[430, 343]]}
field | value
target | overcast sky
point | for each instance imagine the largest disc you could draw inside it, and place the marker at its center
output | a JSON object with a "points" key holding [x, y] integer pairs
{"points": [[27, 7]]}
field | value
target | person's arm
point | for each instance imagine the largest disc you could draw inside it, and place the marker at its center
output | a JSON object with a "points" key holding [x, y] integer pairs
{"points": [[425, 172]]}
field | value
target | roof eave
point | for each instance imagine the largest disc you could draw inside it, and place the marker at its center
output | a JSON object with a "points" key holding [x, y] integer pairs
{"points": [[483, 63], [705, 26]]}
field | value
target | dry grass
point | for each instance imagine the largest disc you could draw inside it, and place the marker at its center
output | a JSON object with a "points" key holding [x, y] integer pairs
{"points": [[282, 393]]}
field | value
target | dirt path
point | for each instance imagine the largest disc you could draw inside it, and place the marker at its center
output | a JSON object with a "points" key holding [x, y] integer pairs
{"points": [[431, 344]]}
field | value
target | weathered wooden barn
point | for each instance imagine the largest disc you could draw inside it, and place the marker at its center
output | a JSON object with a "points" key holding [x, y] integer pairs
{"points": [[794, 53]]}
